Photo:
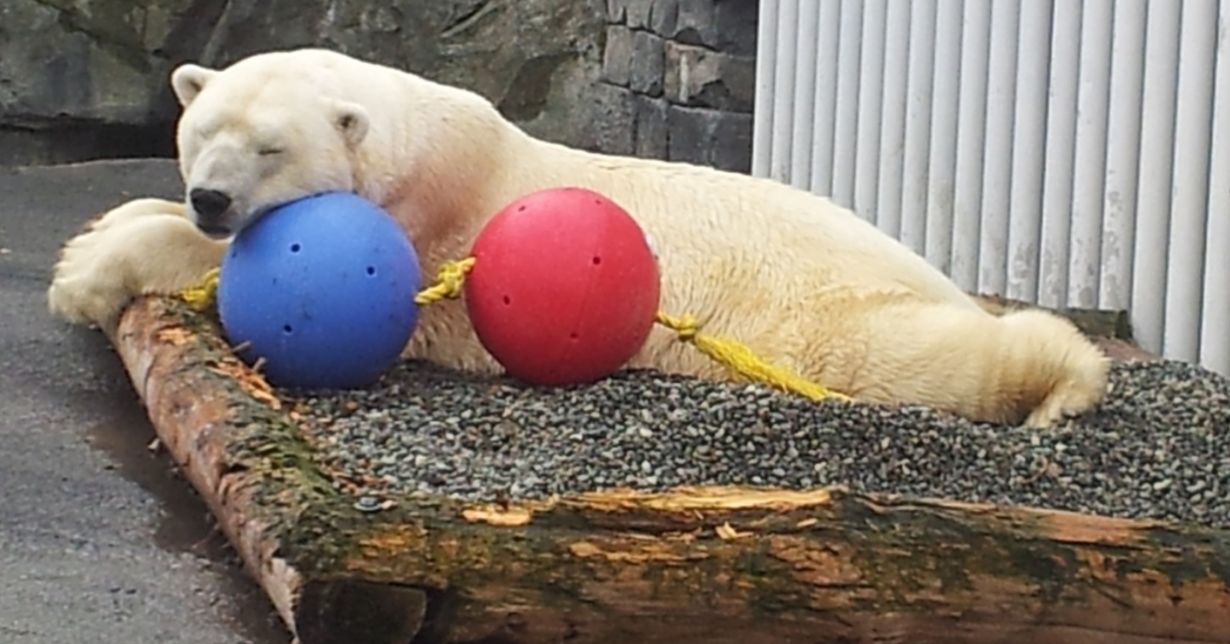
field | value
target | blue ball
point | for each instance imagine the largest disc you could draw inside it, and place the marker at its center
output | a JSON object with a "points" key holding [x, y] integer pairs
{"points": [[322, 289]]}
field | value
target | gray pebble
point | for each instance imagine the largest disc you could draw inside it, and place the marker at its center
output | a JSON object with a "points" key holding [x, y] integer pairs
{"points": [[1159, 447]]}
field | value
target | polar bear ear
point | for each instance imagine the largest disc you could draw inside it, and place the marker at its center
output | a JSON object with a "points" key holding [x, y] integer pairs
{"points": [[351, 120], [188, 80]]}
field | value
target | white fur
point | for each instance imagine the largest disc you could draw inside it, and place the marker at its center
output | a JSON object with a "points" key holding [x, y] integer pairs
{"points": [[805, 283]]}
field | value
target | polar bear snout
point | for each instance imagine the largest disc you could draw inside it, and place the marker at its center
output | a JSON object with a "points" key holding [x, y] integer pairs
{"points": [[209, 204], [211, 208]]}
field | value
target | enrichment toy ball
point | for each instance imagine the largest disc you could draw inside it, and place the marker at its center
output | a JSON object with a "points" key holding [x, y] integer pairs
{"points": [[321, 288], [564, 287]]}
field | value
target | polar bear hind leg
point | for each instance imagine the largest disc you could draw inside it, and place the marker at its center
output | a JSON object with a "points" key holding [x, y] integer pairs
{"points": [[1028, 367]]}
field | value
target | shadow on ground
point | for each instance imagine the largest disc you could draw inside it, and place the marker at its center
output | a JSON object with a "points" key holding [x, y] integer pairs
{"points": [[100, 540]]}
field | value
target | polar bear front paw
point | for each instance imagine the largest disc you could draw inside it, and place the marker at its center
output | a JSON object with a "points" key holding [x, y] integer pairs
{"points": [[143, 246], [80, 297]]}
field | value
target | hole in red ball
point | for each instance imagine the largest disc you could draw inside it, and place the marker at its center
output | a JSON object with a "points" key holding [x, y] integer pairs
{"points": [[521, 208], [287, 329], [371, 270], [294, 248], [507, 300], [575, 336], [597, 261], [597, 202]]}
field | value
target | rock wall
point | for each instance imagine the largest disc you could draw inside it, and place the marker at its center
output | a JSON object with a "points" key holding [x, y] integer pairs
{"points": [[685, 73], [83, 79]]}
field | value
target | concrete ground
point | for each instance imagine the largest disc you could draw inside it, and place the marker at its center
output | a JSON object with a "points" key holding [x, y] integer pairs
{"points": [[100, 541]]}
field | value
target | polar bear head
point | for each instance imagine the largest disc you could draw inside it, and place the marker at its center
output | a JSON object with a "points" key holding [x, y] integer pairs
{"points": [[261, 133]]}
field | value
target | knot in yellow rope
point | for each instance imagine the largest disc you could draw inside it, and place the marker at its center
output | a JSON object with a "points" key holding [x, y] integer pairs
{"points": [[449, 280], [685, 327], [741, 360], [202, 295]]}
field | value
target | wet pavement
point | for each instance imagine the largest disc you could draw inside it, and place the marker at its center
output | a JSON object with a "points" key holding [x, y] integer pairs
{"points": [[100, 540]]}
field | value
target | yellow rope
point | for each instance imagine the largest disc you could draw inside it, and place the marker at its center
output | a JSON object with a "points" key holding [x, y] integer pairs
{"points": [[449, 280], [451, 277], [202, 296], [741, 359], [727, 352], [448, 285]]}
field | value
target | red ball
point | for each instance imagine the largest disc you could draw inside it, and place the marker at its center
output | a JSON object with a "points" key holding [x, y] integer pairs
{"points": [[564, 287]]}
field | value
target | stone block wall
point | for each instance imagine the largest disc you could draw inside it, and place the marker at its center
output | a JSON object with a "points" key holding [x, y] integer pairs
{"points": [[684, 71], [668, 79]]}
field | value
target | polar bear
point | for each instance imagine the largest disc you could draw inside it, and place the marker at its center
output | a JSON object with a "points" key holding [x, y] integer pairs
{"points": [[804, 283]]}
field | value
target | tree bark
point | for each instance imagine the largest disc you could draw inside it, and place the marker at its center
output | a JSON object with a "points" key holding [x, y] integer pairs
{"points": [[694, 564]]}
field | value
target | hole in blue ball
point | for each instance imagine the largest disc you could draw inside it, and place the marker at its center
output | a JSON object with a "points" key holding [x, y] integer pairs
{"points": [[371, 270], [287, 329], [294, 248]]}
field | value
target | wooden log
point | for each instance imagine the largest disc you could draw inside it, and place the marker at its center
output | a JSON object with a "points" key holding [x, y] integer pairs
{"points": [[692, 564]]}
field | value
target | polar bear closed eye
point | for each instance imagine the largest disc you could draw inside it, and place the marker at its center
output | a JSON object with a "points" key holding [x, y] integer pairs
{"points": [[803, 282]]}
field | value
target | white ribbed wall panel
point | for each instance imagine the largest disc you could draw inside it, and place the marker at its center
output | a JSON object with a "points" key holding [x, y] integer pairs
{"points": [[1065, 152]]}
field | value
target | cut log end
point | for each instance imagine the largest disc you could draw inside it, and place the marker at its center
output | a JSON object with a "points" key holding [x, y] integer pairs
{"points": [[359, 612]]}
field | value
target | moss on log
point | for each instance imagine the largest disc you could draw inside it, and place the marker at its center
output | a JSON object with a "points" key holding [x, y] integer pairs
{"points": [[695, 564]]}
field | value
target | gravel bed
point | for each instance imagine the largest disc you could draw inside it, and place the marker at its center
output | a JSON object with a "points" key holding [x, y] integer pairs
{"points": [[1159, 447]]}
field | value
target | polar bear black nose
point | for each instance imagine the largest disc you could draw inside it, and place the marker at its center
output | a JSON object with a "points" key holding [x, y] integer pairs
{"points": [[209, 203]]}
